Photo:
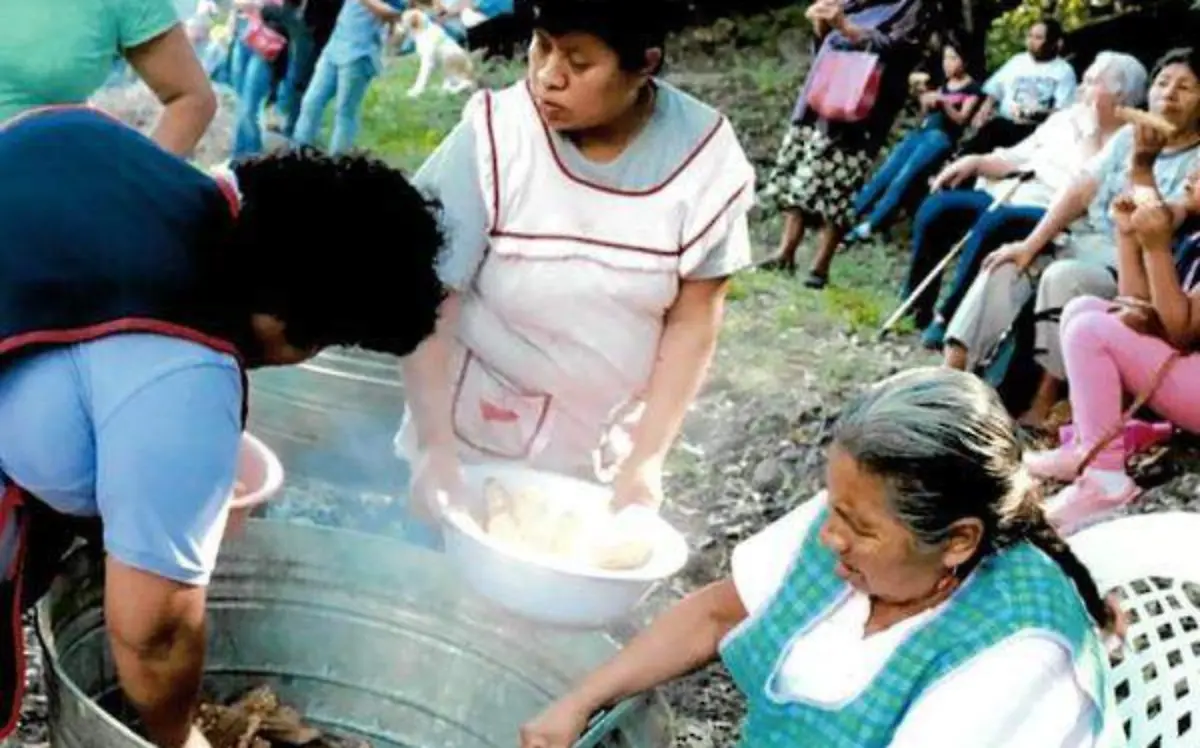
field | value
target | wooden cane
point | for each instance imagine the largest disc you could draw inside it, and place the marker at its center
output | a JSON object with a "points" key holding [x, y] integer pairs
{"points": [[1001, 199]]}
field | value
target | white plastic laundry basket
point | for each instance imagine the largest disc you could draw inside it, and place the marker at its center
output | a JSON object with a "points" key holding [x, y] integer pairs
{"points": [[1153, 563]]}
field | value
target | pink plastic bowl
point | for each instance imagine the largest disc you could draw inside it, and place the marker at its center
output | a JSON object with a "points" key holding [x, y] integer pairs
{"points": [[261, 473]]}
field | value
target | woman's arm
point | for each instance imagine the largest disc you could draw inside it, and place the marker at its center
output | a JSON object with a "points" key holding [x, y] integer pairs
{"points": [[1177, 312], [1070, 204], [688, 341], [427, 380], [683, 639], [168, 65], [1131, 273], [961, 113]]}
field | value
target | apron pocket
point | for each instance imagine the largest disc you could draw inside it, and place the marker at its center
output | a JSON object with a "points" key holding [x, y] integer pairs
{"points": [[495, 417]]}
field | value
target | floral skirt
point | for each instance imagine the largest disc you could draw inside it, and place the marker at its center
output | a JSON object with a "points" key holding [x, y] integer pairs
{"points": [[817, 177]]}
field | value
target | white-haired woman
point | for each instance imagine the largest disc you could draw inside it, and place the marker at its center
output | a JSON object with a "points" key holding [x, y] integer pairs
{"points": [[924, 582], [1055, 153]]}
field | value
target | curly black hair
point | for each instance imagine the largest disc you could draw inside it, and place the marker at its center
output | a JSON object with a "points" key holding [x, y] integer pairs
{"points": [[342, 249]]}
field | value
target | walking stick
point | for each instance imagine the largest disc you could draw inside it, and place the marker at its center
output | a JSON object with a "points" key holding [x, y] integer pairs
{"points": [[1020, 177]]}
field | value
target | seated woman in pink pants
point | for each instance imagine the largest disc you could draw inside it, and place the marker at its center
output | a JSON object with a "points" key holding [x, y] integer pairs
{"points": [[1110, 353]]}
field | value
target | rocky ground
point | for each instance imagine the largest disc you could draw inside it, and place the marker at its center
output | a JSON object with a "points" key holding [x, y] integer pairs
{"points": [[753, 446]]}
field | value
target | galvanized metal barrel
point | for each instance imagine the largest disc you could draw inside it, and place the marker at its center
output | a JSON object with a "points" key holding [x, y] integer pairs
{"points": [[368, 637], [331, 421]]}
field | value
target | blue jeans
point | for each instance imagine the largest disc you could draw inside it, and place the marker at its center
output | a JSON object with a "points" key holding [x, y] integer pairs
{"points": [[914, 158], [942, 220], [239, 55], [302, 61], [252, 97], [345, 85]]}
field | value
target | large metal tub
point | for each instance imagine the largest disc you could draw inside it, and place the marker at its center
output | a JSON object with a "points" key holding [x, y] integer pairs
{"points": [[331, 421], [367, 636]]}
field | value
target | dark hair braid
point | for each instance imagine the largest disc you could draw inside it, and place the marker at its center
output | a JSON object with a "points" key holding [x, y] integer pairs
{"points": [[1029, 523]]}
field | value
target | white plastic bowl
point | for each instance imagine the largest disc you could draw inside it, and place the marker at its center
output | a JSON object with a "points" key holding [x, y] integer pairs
{"points": [[547, 589], [261, 473]]}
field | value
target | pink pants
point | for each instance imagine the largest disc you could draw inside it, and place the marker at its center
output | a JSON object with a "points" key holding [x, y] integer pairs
{"points": [[1104, 360]]}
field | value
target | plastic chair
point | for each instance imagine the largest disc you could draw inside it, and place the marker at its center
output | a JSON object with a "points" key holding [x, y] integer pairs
{"points": [[1152, 563]]}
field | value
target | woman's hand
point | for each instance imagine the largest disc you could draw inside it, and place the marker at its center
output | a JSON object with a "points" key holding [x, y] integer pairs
{"points": [[1121, 210], [559, 726], [1148, 142], [1019, 254], [436, 483], [1154, 226], [1142, 321], [955, 174], [638, 482], [930, 100]]}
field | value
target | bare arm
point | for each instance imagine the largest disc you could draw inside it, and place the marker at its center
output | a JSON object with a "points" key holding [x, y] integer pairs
{"points": [[1131, 274], [168, 65], [684, 353], [960, 114], [683, 639], [1178, 312], [427, 380], [156, 629], [1067, 206], [993, 166], [382, 10]]}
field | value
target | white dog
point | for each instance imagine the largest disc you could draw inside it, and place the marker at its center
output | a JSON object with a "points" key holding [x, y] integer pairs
{"points": [[436, 47]]}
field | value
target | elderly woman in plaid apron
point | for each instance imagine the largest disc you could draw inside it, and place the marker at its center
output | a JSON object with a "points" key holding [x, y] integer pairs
{"points": [[924, 582]]}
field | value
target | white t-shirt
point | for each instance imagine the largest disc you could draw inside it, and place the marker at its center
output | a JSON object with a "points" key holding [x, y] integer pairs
{"points": [[1058, 152], [1021, 693], [1032, 85]]}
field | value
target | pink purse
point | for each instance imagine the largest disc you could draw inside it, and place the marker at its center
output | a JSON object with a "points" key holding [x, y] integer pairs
{"points": [[265, 41], [845, 85]]}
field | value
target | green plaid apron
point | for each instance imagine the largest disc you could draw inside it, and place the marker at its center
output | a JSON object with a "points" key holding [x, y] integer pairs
{"points": [[1017, 590]]}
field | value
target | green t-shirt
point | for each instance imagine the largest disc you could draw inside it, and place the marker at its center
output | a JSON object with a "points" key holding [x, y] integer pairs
{"points": [[62, 51]]}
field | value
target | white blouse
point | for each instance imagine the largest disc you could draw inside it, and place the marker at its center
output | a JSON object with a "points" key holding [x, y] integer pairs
{"points": [[1020, 693]]}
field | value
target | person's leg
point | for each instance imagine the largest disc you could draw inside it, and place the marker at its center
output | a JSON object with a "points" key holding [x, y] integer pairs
{"points": [[789, 242], [1007, 223], [300, 73], [321, 90], [989, 309], [941, 221], [877, 185], [1064, 280], [931, 147], [1105, 359], [827, 245], [352, 83], [789, 187], [239, 56], [253, 95], [167, 441], [839, 174]]}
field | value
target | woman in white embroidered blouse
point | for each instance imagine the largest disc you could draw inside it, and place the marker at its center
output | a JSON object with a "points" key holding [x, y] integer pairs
{"points": [[595, 215], [924, 583]]}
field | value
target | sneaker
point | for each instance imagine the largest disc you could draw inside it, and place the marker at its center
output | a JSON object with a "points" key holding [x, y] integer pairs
{"points": [[861, 232], [1086, 502], [934, 335], [1060, 464]]}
